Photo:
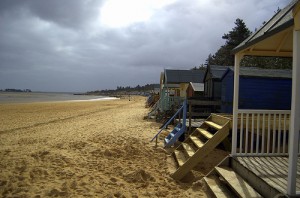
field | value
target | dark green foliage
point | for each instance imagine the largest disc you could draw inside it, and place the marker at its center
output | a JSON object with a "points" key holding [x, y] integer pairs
{"points": [[237, 35], [121, 89], [233, 38], [201, 67], [267, 62]]}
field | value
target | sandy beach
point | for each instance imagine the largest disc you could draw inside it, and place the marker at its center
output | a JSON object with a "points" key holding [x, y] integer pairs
{"points": [[85, 149]]}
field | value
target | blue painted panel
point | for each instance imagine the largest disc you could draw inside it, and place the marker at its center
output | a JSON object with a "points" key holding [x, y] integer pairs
{"points": [[227, 93], [257, 93]]}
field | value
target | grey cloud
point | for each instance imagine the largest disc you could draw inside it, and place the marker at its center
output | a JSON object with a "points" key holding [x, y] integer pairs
{"points": [[61, 45]]}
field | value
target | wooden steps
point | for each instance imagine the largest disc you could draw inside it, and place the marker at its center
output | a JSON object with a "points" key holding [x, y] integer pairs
{"points": [[199, 144], [189, 150], [225, 182], [179, 130], [214, 125], [179, 157], [217, 188], [236, 182], [205, 133], [196, 141]]}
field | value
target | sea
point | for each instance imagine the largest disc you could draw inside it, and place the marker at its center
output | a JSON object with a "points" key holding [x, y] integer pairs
{"points": [[29, 97]]}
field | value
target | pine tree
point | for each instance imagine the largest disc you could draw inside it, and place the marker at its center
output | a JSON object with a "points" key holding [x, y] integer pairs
{"points": [[233, 38]]}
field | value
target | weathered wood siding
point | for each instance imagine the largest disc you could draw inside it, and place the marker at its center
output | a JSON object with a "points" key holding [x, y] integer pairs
{"points": [[257, 93]]}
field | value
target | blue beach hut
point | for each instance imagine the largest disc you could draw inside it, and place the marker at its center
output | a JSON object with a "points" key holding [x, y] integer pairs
{"points": [[259, 88]]}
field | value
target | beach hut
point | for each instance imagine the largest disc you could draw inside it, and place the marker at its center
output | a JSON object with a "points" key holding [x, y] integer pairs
{"points": [[212, 81], [259, 89], [264, 159], [276, 168], [174, 84], [195, 90]]}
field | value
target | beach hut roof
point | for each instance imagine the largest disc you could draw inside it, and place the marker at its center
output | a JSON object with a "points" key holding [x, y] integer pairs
{"points": [[183, 76], [274, 38], [197, 86], [217, 71], [263, 73]]}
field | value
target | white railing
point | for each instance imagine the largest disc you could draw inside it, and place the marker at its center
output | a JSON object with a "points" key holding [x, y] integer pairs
{"points": [[166, 102], [262, 132]]}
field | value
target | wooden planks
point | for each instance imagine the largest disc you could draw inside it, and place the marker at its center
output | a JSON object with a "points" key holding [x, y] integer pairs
{"points": [[273, 170], [214, 125], [217, 187], [189, 150], [196, 141], [179, 157], [237, 183], [205, 133]]}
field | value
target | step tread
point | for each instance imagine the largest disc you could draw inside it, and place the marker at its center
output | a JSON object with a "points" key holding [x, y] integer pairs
{"points": [[217, 187], [179, 157], [205, 133], [214, 125], [189, 150], [196, 141], [171, 164], [237, 183]]}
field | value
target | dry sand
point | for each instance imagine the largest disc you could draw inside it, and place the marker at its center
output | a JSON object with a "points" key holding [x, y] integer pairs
{"points": [[85, 149]]}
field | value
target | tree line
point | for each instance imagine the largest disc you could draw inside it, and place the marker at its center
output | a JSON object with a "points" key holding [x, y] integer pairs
{"points": [[124, 89], [233, 38]]}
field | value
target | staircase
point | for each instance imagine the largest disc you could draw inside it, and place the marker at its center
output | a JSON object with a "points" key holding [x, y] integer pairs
{"points": [[226, 182], [153, 109], [199, 144], [177, 131]]}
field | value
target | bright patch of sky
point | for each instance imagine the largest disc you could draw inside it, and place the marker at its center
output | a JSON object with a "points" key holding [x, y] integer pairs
{"points": [[116, 13]]}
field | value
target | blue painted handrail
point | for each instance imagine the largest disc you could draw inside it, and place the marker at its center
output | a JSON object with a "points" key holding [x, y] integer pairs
{"points": [[167, 123]]}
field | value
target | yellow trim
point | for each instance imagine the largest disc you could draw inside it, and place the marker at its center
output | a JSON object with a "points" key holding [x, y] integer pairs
{"points": [[296, 15]]}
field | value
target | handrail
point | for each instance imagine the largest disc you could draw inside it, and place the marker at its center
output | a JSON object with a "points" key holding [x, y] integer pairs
{"points": [[154, 108], [167, 123]]}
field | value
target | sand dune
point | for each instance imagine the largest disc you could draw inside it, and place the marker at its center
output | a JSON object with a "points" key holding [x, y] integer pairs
{"points": [[84, 149]]}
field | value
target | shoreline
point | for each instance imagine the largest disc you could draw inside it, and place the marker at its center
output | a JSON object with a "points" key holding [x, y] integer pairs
{"points": [[38, 97]]}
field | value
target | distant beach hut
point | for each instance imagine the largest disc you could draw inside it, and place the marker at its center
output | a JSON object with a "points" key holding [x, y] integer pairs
{"points": [[195, 90], [174, 84], [212, 81]]}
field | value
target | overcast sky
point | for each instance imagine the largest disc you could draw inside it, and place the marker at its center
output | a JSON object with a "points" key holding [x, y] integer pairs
{"points": [[84, 45]]}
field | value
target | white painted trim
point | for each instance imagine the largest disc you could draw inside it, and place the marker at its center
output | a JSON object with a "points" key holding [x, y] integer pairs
{"points": [[295, 116], [237, 61], [263, 111]]}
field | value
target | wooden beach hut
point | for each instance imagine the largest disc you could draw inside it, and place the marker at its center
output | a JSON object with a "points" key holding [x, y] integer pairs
{"points": [[195, 90], [210, 101], [264, 159], [174, 84], [271, 172], [212, 81], [259, 89]]}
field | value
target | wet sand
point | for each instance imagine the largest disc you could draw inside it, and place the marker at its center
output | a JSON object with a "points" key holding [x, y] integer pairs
{"points": [[84, 149]]}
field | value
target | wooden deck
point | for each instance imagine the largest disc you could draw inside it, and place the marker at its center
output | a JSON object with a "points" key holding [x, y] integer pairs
{"points": [[273, 170]]}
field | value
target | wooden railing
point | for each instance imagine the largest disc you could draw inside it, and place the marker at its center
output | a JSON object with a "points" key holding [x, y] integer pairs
{"points": [[262, 132], [183, 109], [154, 109]]}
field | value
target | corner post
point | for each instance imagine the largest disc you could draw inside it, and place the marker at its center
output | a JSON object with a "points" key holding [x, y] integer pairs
{"points": [[295, 116], [237, 60]]}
